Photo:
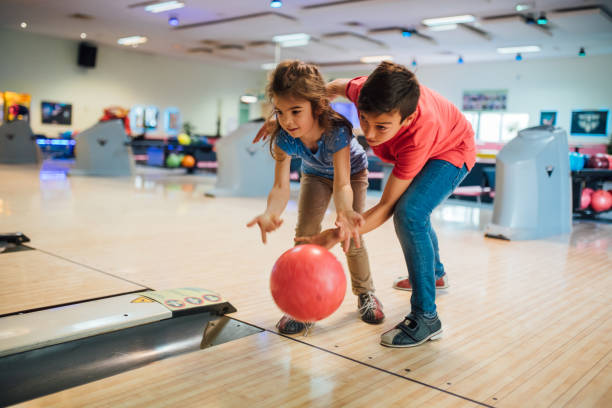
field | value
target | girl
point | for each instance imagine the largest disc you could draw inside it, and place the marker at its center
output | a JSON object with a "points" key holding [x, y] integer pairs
{"points": [[333, 163]]}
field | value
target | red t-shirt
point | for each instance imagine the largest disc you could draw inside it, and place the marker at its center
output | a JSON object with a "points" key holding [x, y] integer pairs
{"points": [[439, 131]]}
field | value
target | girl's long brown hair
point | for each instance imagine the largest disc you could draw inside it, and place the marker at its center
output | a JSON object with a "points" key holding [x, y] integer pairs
{"points": [[297, 79]]}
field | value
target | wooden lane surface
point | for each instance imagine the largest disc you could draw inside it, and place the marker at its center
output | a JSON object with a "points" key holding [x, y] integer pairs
{"points": [[261, 370], [33, 279], [514, 309]]}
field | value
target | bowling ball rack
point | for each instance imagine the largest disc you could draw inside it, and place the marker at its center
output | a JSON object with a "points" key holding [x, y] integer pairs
{"points": [[594, 178]]}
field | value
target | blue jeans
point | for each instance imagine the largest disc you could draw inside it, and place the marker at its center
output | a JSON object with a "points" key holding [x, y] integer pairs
{"points": [[434, 183]]}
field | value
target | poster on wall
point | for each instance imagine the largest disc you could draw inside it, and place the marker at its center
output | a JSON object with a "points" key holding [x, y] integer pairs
{"points": [[485, 100], [589, 123], [17, 106], [548, 118], [56, 113]]}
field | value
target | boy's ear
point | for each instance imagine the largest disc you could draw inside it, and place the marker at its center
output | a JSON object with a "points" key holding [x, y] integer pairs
{"points": [[408, 119]]}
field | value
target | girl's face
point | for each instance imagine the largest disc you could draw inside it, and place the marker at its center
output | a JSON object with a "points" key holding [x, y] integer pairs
{"points": [[296, 117]]}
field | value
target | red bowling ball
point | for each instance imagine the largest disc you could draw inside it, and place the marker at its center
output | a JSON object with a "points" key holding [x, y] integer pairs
{"points": [[585, 198], [308, 283], [598, 161], [601, 200]]}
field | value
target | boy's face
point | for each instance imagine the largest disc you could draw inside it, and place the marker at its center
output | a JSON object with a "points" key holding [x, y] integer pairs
{"points": [[380, 127]]}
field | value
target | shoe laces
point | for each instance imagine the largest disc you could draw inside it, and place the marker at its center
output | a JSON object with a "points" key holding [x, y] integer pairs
{"points": [[369, 302]]}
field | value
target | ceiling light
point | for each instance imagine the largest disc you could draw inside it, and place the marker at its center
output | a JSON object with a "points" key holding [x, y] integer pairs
{"points": [[268, 66], [406, 33], [248, 99], [173, 21], [83, 36], [165, 6], [582, 52], [460, 60], [276, 3], [522, 7], [291, 40], [518, 57], [512, 50], [414, 63], [443, 27], [133, 40], [449, 20], [24, 24], [542, 20], [375, 59]]}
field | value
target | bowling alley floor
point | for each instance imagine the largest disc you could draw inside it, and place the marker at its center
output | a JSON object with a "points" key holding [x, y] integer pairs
{"points": [[526, 323]]}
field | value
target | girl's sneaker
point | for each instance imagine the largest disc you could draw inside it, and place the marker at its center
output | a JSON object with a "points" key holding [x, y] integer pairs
{"points": [[370, 308], [287, 325]]}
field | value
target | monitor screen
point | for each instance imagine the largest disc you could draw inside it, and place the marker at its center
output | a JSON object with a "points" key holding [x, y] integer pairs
{"points": [[56, 113], [589, 123], [349, 111]]}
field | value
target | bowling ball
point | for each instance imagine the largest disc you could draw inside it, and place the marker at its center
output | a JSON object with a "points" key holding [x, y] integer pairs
{"points": [[598, 161], [308, 283], [173, 160], [184, 139], [188, 161], [585, 198], [601, 200], [576, 161]]}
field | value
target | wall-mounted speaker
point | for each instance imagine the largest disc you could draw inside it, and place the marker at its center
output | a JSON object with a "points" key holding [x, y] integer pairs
{"points": [[87, 55]]}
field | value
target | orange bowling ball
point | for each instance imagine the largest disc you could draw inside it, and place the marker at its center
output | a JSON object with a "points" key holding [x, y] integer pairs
{"points": [[308, 283], [188, 161]]}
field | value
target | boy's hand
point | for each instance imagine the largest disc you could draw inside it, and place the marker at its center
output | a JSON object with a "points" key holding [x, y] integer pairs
{"points": [[326, 239], [267, 223], [265, 130], [349, 223]]}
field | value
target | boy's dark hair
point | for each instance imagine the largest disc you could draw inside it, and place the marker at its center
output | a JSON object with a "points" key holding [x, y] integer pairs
{"points": [[298, 79], [388, 88]]}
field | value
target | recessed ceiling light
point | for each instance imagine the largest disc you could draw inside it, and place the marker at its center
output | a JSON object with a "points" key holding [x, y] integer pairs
{"points": [[133, 40], [466, 18], [276, 3], [23, 24], [443, 27], [513, 50], [291, 40], [376, 58], [268, 66], [165, 6], [248, 99], [83, 36]]}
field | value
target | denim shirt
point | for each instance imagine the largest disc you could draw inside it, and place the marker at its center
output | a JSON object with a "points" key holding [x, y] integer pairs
{"points": [[321, 163]]}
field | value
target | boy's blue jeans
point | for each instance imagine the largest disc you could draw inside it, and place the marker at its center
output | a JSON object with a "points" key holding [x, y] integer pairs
{"points": [[434, 183]]}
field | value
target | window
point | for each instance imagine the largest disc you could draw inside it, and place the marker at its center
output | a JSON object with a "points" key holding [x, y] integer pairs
{"points": [[496, 126]]}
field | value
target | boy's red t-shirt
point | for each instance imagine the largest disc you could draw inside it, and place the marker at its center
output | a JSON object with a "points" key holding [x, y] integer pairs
{"points": [[439, 131]]}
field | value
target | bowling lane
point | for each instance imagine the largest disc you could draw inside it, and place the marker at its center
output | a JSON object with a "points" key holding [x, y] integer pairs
{"points": [[263, 370], [32, 279]]}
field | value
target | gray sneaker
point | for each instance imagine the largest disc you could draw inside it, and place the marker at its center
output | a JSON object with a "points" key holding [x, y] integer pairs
{"points": [[413, 331]]}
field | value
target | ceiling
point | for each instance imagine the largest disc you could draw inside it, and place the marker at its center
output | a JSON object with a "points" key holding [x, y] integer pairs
{"points": [[239, 32]]}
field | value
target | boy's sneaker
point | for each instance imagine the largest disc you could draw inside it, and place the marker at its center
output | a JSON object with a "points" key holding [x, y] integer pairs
{"points": [[413, 331], [287, 325], [403, 283], [370, 308]]}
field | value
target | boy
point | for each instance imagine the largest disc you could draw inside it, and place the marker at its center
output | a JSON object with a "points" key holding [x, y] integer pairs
{"points": [[431, 145]]}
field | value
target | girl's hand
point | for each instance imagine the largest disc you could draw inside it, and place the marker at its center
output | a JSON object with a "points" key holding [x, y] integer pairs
{"points": [[327, 238], [266, 130], [267, 223], [349, 223]]}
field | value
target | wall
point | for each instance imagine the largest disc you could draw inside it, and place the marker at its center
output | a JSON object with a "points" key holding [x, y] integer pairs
{"points": [[533, 85], [46, 68]]}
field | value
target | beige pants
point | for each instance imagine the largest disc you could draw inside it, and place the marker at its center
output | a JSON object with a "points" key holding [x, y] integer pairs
{"points": [[315, 194]]}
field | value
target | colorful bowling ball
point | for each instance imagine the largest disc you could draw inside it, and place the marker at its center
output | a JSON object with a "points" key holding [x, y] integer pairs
{"points": [[188, 161], [576, 161], [173, 160], [184, 139], [308, 283], [598, 161], [601, 200]]}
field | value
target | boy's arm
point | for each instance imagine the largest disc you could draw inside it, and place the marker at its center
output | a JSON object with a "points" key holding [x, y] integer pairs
{"points": [[347, 219], [337, 87]]}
